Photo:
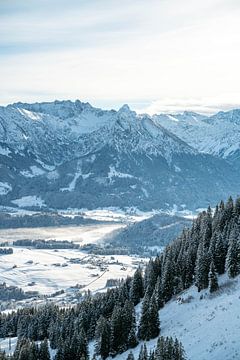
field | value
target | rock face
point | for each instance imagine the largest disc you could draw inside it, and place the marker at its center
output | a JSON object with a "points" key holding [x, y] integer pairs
{"points": [[69, 154]]}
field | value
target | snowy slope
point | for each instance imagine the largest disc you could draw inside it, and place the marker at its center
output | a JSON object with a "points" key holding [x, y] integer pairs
{"points": [[208, 328]]}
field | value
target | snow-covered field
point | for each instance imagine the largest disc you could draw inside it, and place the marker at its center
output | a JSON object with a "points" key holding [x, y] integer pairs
{"points": [[48, 271], [52, 270]]}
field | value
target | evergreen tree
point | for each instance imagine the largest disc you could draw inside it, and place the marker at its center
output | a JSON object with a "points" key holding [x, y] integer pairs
{"points": [[130, 356], [219, 254], [202, 268], [143, 329], [103, 337], [136, 290], [44, 351], [154, 323], [167, 285], [233, 254], [213, 280], [158, 293]]}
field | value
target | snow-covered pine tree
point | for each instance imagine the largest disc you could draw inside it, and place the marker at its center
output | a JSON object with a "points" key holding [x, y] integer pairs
{"points": [[202, 267], [136, 290], [213, 280], [233, 254], [44, 351], [154, 322], [103, 337], [130, 356]]}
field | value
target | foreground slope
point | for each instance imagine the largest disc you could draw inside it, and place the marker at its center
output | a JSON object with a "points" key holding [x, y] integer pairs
{"points": [[207, 325]]}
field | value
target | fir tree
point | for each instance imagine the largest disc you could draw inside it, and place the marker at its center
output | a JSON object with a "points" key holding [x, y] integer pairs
{"points": [[136, 290], [130, 356], [219, 255], [103, 337], [202, 268], [144, 330], [154, 323], [233, 254], [213, 280]]}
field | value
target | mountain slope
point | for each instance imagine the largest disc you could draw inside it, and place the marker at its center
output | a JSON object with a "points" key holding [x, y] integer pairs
{"points": [[159, 230], [207, 325], [216, 135], [69, 154]]}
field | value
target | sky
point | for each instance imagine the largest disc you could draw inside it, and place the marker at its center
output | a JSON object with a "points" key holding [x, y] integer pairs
{"points": [[155, 55]]}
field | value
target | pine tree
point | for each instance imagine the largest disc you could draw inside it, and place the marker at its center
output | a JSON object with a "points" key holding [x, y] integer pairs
{"points": [[167, 286], [158, 293], [144, 329], [103, 337], [233, 254], [202, 268], [44, 351], [213, 280], [154, 323], [136, 290], [219, 255], [82, 345], [130, 356]]}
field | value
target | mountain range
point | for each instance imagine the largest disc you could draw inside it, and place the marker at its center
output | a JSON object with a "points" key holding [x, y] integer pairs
{"points": [[65, 154]]}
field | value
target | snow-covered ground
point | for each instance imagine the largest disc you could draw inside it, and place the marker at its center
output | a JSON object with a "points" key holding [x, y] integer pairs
{"points": [[208, 325], [52, 270]]}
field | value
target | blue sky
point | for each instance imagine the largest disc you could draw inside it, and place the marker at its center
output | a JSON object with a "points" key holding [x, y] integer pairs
{"points": [[156, 55]]}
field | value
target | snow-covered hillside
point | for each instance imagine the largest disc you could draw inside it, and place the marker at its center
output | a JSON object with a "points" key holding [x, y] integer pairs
{"points": [[217, 135], [70, 154], [208, 325]]}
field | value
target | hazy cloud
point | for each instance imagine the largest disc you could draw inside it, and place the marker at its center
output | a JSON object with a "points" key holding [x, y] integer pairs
{"points": [[131, 51]]}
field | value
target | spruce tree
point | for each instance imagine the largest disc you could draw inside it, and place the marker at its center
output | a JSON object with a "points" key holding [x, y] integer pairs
{"points": [[219, 254], [213, 280], [154, 323], [233, 254], [44, 351], [103, 337], [136, 290], [202, 268], [130, 356], [167, 286], [144, 332]]}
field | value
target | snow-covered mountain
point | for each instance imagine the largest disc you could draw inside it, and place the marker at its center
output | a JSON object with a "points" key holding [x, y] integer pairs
{"points": [[218, 135], [70, 154]]}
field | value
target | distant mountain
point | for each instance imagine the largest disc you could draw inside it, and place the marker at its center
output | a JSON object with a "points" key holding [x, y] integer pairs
{"points": [[217, 135], [70, 154]]}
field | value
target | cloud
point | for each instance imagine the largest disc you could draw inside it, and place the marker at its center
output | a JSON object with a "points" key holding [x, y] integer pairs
{"points": [[109, 51], [206, 106]]}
